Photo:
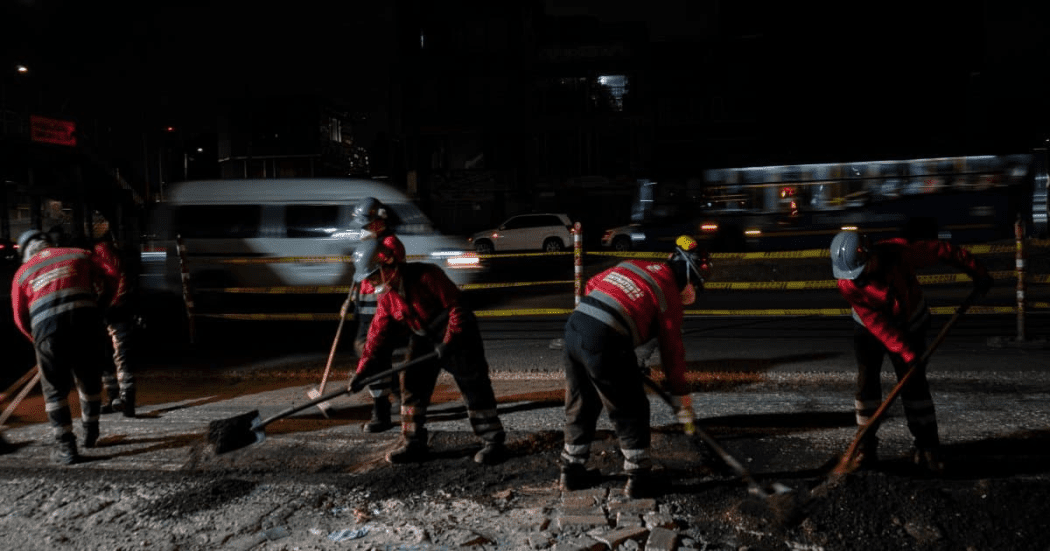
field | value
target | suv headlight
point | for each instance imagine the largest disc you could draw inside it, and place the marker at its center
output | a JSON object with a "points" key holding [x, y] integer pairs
{"points": [[456, 260]]}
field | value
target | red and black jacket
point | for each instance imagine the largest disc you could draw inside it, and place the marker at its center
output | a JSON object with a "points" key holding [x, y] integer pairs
{"points": [[55, 286], [640, 300], [889, 301]]}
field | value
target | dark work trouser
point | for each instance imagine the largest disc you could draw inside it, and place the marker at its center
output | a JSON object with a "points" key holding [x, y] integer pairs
{"points": [[915, 395], [71, 356], [469, 368], [601, 369], [118, 377]]}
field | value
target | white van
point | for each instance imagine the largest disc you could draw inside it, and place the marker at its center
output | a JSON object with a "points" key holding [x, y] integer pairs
{"points": [[234, 230]]}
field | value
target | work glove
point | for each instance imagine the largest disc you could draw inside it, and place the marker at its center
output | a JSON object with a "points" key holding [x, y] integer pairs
{"points": [[683, 406], [357, 381], [345, 310], [442, 350], [982, 285]]}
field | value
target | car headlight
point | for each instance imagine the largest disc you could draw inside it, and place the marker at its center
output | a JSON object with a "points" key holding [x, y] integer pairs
{"points": [[457, 260]]}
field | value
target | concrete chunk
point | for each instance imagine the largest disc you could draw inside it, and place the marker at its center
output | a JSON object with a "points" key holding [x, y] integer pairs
{"points": [[580, 543], [585, 522], [635, 506], [658, 520], [617, 537], [661, 539]]}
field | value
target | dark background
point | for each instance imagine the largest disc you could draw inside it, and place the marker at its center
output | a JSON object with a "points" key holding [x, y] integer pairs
{"points": [[487, 109]]}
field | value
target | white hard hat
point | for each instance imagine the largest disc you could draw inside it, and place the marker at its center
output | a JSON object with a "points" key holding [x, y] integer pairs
{"points": [[849, 255]]}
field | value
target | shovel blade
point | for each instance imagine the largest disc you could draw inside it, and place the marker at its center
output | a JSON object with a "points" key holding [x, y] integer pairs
{"points": [[226, 435], [314, 394]]}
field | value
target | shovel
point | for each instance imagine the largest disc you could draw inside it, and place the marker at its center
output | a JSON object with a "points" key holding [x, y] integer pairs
{"points": [[315, 393], [246, 429], [753, 486], [18, 384], [847, 464], [4, 445]]}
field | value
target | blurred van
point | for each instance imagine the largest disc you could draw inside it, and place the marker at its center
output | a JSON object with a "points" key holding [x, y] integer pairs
{"points": [[281, 232]]}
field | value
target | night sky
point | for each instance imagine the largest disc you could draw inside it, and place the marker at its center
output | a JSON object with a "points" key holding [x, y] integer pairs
{"points": [[874, 64]]}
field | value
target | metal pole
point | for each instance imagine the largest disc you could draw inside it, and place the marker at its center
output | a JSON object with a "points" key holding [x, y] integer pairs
{"points": [[1019, 238], [577, 250]]}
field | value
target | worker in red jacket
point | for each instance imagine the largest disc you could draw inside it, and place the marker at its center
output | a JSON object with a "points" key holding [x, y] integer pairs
{"points": [[55, 298], [118, 377], [417, 301], [879, 281], [371, 216], [622, 308]]}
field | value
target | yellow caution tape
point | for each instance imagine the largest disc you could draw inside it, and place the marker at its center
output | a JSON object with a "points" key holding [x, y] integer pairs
{"points": [[523, 312], [758, 312], [319, 290], [523, 255], [474, 286]]}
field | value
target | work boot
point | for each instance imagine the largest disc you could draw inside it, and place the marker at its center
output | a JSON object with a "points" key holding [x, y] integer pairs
{"points": [[929, 461], [90, 435], [127, 402], [493, 453], [380, 417], [408, 451], [640, 484], [107, 408], [65, 453], [575, 476]]}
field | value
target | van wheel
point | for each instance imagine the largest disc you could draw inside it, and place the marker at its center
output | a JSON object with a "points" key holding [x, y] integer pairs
{"points": [[552, 245], [621, 244], [483, 247]]}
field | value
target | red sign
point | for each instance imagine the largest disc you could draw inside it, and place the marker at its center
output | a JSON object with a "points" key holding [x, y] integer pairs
{"points": [[47, 130]]}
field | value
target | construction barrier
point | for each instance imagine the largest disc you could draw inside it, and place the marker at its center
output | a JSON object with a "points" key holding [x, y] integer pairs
{"points": [[577, 283]]}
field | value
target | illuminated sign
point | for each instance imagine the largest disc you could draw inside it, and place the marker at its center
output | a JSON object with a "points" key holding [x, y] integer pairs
{"points": [[54, 131]]}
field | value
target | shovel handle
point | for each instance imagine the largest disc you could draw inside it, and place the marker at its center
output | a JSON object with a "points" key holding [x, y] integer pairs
{"points": [[726, 457], [338, 333], [18, 384], [21, 396], [846, 462], [337, 393]]}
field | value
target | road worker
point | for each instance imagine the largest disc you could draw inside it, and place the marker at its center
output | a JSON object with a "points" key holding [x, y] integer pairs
{"points": [[55, 298], [622, 308], [892, 318], [370, 215], [118, 378], [418, 301]]}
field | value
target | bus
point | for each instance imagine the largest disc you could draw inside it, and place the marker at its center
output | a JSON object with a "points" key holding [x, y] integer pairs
{"points": [[965, 199]]}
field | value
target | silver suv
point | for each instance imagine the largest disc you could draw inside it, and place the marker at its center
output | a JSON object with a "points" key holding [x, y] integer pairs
{"points": [[526, 232]]}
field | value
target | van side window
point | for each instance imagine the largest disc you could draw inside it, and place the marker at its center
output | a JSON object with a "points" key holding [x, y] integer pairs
{"points": [[311, 220], [218, 221], [407, 219]]}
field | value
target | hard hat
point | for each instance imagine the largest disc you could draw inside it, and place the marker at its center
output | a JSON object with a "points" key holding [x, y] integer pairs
{"points": [[368, 210], [27, 238], [371, 254], [849, 255], [688, 262]]}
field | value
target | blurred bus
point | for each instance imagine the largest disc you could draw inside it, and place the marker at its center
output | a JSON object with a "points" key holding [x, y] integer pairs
{"points": [[970, 199]]}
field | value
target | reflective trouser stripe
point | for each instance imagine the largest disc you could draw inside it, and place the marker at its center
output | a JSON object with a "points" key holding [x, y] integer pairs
{"points": [[636, 459], [486, 425], [413, 420], [575, 454]]}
